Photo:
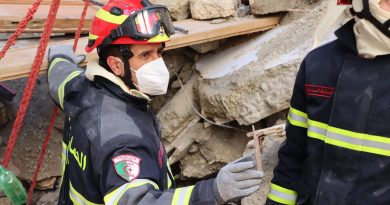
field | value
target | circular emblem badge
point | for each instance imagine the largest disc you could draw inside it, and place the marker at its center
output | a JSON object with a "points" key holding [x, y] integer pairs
{"points": [[127, 166]]}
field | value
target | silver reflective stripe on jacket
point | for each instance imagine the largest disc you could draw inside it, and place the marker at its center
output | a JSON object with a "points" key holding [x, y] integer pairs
{"points": [[348, 139]]}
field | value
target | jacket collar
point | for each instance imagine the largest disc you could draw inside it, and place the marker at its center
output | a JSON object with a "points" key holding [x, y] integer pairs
{"points": [[94, 69], [346, 35]]}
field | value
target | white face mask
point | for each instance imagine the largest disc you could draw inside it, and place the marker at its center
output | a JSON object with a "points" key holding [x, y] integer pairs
{"points": [[153, 77], [370, 41]]}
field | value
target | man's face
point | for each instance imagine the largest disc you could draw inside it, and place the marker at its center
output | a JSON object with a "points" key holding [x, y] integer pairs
{"points": [[385, 5], [144, 53]]}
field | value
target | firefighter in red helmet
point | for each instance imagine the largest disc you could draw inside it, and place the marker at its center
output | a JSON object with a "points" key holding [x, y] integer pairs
{"points": [[337, 150], [112, 146]]}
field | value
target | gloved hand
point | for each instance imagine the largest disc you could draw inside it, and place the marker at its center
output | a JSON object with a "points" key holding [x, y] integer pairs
{"points": [[64, 51], [236, 180]]}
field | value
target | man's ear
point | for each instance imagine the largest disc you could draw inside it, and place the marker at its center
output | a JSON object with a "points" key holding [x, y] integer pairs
{"points": [[115, 65]]}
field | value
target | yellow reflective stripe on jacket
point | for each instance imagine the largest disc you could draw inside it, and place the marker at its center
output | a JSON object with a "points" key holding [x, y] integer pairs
{"points": [[169, 174], [341, 137], [64, 158], [108, 17], [297, 118], [182, 196], [61, 89], [282, 195], [351, 140], [77, 198], [113, 197], [56, 60]]}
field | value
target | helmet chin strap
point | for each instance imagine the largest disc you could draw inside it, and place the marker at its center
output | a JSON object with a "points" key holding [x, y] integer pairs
{"points": [[126, 55], [366, 14]]}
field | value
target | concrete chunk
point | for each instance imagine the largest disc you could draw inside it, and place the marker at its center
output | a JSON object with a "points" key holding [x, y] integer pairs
{"points": [[254, 80], [269, 6], [261, 7], [180, 9], [210, 9]]}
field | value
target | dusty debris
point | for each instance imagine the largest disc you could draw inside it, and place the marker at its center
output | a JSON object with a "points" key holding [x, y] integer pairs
{"points": [[28, 145], [243, 10], [48, 198], [251, 81], [212, 150]]}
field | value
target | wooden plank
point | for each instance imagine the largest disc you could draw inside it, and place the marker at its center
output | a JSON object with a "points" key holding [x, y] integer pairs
{"points": [[204, 31], [68, 17], [259, 162], [199, 32]]}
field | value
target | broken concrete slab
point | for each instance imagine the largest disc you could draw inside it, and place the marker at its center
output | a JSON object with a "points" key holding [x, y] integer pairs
{"points": [[269, 6], [251, 81], [211, 9], [213, 148], [178, 115], [180, 9]]}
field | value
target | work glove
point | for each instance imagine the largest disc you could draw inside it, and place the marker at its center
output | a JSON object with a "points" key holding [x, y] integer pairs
{"points": [[236, 180], [64, 51]]}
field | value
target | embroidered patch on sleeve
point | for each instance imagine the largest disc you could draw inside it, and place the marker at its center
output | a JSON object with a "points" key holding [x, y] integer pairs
{"points": [[319, 91], [127, 166]]}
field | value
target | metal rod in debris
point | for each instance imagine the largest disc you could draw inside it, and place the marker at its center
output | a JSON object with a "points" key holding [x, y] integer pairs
{"points": [[185, 31]]}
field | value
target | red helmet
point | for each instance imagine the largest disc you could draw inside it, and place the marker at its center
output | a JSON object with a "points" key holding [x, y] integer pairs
{"points": [[344, 2], [130, 22]]}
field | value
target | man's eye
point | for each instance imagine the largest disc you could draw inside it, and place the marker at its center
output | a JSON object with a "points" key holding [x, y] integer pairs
{"points": [[145, 55]]}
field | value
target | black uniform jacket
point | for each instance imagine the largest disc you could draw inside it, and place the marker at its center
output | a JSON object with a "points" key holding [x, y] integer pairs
{"points": [[337, 150], [112, 149]]}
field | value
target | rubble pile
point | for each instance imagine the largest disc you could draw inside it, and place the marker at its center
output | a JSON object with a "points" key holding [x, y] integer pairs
{"points": [[218, 89]]}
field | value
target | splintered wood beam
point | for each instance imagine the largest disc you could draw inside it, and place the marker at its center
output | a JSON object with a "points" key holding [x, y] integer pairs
{"points": [[259, 163], [258, 136], [17, 63], [277, 129]]}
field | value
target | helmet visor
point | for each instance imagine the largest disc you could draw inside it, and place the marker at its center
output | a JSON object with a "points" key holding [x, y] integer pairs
{"points": [[144, 24], [148, 22]]}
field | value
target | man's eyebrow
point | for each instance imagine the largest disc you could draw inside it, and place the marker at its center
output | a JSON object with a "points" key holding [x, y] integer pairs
{"points": [[144, 52]]}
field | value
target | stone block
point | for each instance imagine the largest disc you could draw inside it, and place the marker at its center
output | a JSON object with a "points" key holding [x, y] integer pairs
{"points": [[211, 9], [269, 6], [180, 9]]}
